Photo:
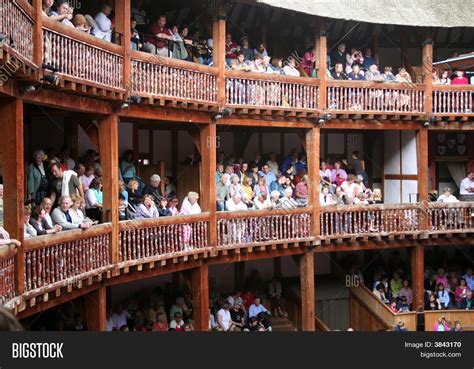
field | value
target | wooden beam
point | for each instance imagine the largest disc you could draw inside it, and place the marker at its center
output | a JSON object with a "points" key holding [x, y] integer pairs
{"points": [[108, 147], [200, 292], [313, 157], [96, 310], [427, 70], [306, 266], [208, 143], [12, 152], [417, 256]]}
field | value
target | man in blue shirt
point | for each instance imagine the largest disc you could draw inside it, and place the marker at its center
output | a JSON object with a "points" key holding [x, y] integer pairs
{"points": [[267, 174], [278, 185], [356, 75], [257, 308], [368, 58]]}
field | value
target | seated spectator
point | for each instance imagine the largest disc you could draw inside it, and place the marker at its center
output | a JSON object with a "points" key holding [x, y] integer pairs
{"points": [[275, 199], [173, 206], [37, 222], [308, 63], [460, 79], [403, 76], [157, 38], [170, 188], [88, 176], [259, 317], [163, 208], [177, 324], [245, 49], [122, 208], [235, 187], [356, 74], [261, 49], [257, 308], [94, 200], [190, 205], [287, 201], [179, 307], [435, 78], [262, 201], [80, 24], [352, 58], [134, 35], [161, 324], [235, 203], [406, 292], [268, 66], [447, 196], [28, 229], [134, 195], [460, 292], [231, 50], [154, 189], [443, 296], [38, 183], [257, 65], [457, 327], [325, 198], [119, 318], [63, 13], [277, 66], [396, 284], [466, 193], [388, 75], [237, 315], [467, 303], [62, 216], [177, 46], [441, 278], [402, 305], [444, 79], [338, 175], [147, 209], [301, 191], [441, 325], [380, 293], [47, 205], [290, 68], [279, 185], [224, 319], [338, 73], [368, 58], [222, 192], [127, 166], [373, 74]]}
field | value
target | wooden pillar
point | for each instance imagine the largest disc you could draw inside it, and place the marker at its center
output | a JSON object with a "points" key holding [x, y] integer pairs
{"points": [[200, 292], [427, 70], [306, 264], [417, 256], [95, 304], [321, 58], [239, 275], [218, 37], [122, 26], [313, 158], [423, 175], [12, 152], [38, 36], [108, 148], [208, 143]]}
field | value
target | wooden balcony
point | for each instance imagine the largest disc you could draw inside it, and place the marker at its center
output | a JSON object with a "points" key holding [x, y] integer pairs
{"points": [[453, 102], [16, 50], [58, 264]]}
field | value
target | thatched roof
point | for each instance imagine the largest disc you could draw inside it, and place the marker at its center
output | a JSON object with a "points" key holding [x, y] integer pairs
{"points": [[423, 13]]}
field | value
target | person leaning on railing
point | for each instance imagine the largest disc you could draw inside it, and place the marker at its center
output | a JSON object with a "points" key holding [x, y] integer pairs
{"points": [[62, 216], [36, 221]]}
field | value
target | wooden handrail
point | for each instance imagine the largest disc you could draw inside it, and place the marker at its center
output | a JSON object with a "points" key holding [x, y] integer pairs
{"points": [[80, 36], [414, 206], [381, 310], [271, 77], [320, 325], [12, 251], [262, 213], [453, 87], [161, 221], [171, 62], [65, 236], [27, 8], [376, 85]]}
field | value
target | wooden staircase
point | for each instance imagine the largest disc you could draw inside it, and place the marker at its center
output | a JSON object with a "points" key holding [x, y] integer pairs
{"points": [[282, 324]]}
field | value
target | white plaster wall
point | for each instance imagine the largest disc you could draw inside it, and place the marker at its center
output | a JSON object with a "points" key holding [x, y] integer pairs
{"points": [[392, 191], [391, 152], [409, 154], [409, 187], [84, 143]]}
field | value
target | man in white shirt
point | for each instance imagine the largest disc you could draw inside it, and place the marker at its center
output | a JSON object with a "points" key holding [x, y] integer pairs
{"points": [[119, 318], [236, 203], [447, 196], [223, 318], [325, 198], [103, 26], [466, 188]]}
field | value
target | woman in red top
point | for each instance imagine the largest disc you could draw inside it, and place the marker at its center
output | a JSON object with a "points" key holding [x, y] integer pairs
{"points": [[460, 79], [247, 298], [161, 324]]}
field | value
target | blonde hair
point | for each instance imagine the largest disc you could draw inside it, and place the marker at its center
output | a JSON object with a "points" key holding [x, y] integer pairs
{"points": [[193, 194], [131, 183], [76, 198]]}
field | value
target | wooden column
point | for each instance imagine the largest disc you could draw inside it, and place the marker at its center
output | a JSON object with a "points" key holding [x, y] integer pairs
{"points": [[427, 69], [417, 255], [122, 25], [208, 143], [321, 58], [108, 148], [12, 152], [423, 175], [200, 292], [38, 36], [218, 37], [306, 264], [239, 275], [313, 158], [95, 304]]}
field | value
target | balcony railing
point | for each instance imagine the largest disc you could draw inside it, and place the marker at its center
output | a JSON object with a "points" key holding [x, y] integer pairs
{"points": [[375, 97], [82, 58], [7, 277], [66, 258], [16, 24], [453, 99], [268, 91], [263, 226], [156, 76], [149, 238], [52, 262]]}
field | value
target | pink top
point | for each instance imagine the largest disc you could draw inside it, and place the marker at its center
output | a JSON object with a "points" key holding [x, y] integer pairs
{"points": [[459, 81]]}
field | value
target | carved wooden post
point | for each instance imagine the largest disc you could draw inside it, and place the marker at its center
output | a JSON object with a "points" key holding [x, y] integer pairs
{"points": [[200, 292], [38, 36], [321, 58], [427, 65], [306, 265], [417, 255], [96, 310], [108, 147], [218, 38], [11, 150], [313, 157], [122, 26]]}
